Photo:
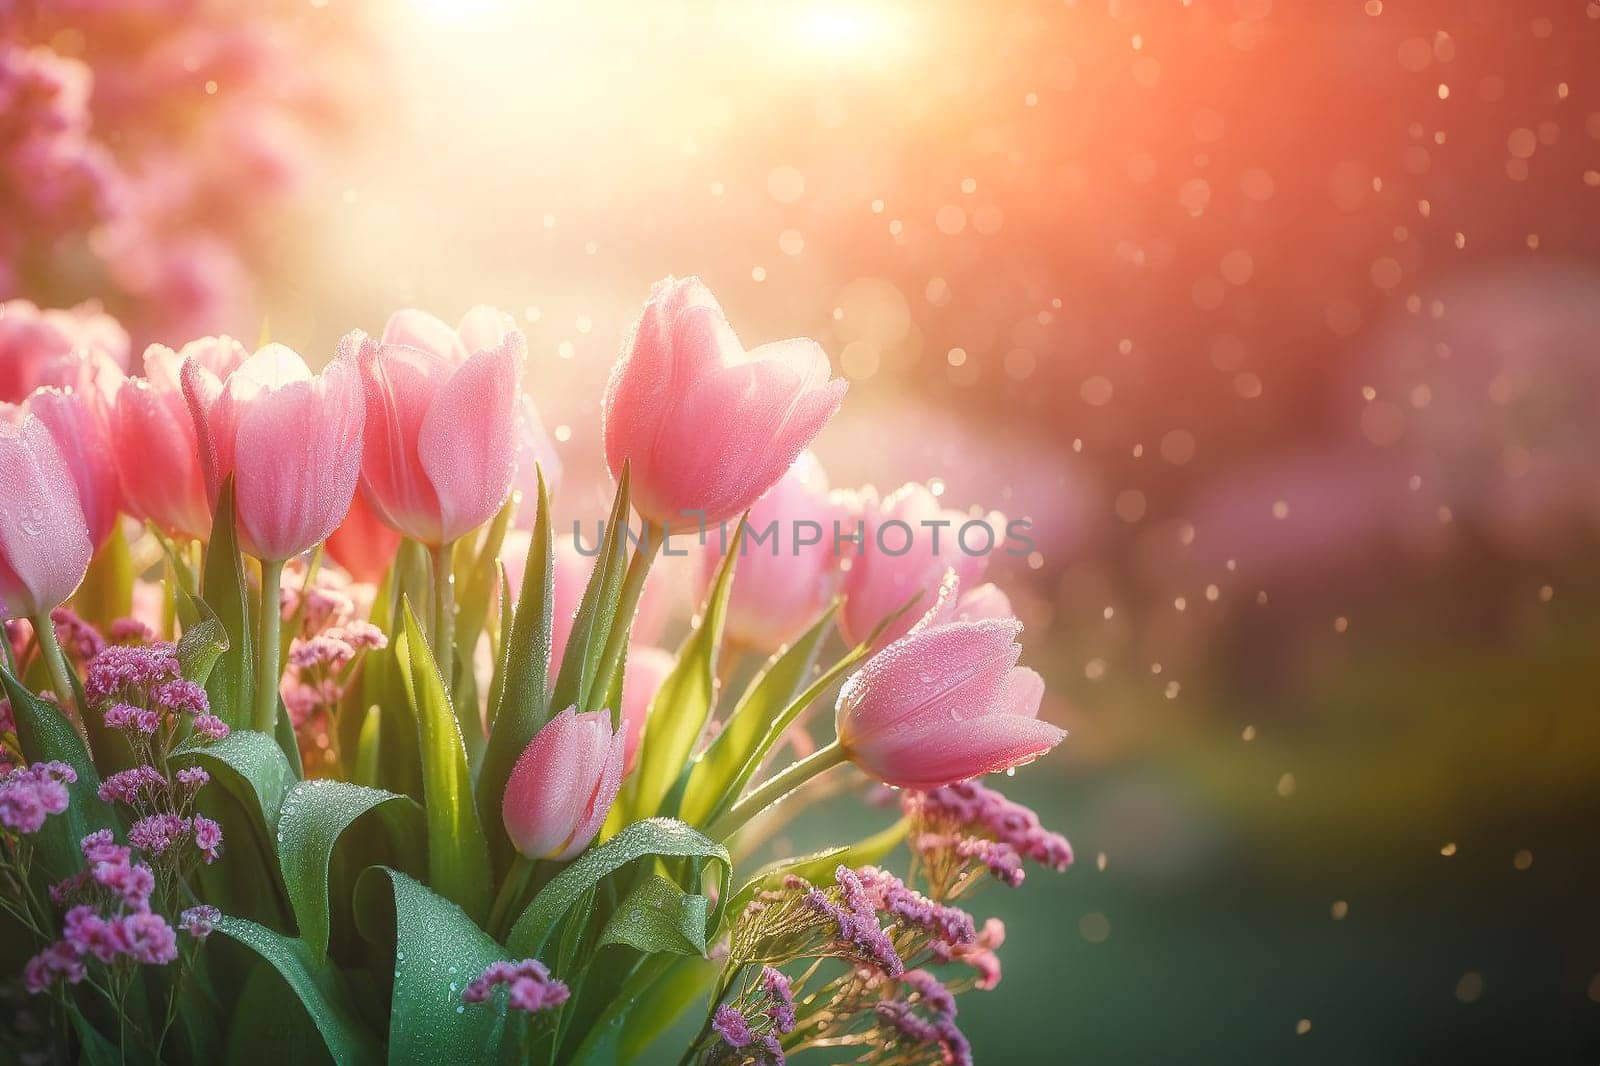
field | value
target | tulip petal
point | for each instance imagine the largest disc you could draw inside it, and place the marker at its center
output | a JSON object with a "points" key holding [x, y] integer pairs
{"points": [[949, 673], [44, 543], [420, 330], [944, 755], [399, 383], [467, 441]]}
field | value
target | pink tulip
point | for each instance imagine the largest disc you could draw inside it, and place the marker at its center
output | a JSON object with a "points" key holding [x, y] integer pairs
{"points": [[704, 425], [362, 544], [158, 458], [441, 444], [907, 543], [37, 347], [80, 424], [291, 440], [781, 584], [44, 542], [563, 785], [944, 703], [647, 668]]}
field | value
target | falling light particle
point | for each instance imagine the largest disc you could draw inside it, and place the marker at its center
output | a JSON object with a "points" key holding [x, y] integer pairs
{"points": [[1094, 927], [1522, 859], [1286, 785], [1172, 690], [1448, 850], [1339, 909], [1109, 613], [1280, 509], [1546, 593], [1341, 624], [758, 273], [1470, 988], [563, 433], [1303, 1026], [1094, 669], [1100, 862], [1248, 734], [1212, 592]]}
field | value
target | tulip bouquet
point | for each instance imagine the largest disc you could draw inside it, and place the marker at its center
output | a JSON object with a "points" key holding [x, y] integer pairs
{"points": [[318, 742]]}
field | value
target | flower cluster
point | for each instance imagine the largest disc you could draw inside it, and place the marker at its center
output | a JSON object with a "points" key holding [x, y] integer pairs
{"points": [[960, 827], [325, 656], [30, 794], [749, 1026], [530, 988]]}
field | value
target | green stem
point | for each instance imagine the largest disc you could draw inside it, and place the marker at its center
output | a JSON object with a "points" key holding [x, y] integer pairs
{"points": [[266, 711], [511, 890], [627, 604], [44, 631], [778, 787], [444, 613]]}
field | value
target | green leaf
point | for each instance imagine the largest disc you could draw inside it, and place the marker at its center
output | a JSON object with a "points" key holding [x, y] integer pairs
{"points": [[653, 836], [231, 684], [718, 775], [204, 640], [251, 766], [438, 950], [689, 981], [45, 735], [659, 916], [521, 709], [458, 856], [475, 583], [600, 1042], [597, 610], [682, 705], [316, 983], [315, 815]]}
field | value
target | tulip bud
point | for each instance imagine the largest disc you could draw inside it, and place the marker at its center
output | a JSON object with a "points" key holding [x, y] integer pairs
{"points": [[39, 347], [441, 440], [563, 785], [705, 426], [788, 569], [44, 542], [944, 703], [290, 438], [158, 458], [908, 542]]}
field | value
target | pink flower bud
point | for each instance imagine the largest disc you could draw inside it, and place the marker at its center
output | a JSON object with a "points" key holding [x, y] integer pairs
{"points": [[705, 425], [290, 438], [158, 460], [441, 441], [788, 569], [944, 703], [362, 544], [44, 542], [563, 786], [907, 542]]}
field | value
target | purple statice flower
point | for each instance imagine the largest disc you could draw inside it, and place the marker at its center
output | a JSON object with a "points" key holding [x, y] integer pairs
{"points": [[131, 631], [150, 940], [323, 650], [362, 636], [941, 1033], [208, 838], [193, 777], [59, 960], [30, 794], [128, 786], [981, 955], [961, 817], [90, 934], [1002, 860], [932, 996], [179, 696], [210, 727], [856, 922], [155, 833], [780, 999], [734, 1030], [531, 988], [199, 921], [121, 667], [910, 908], [80, 640], [8, 720], [130, 719]]}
